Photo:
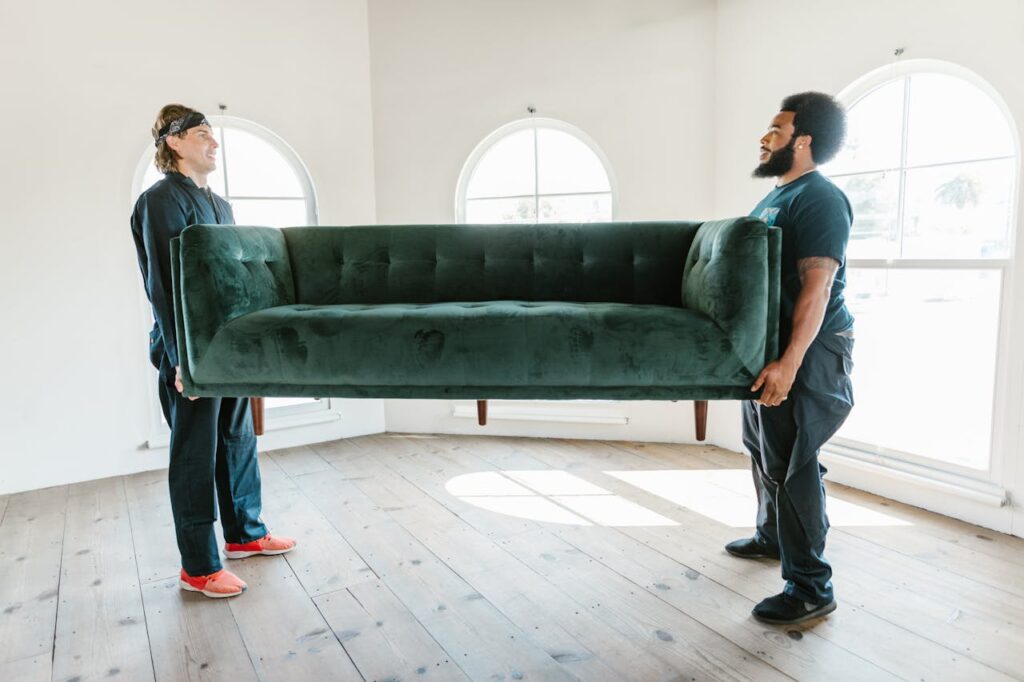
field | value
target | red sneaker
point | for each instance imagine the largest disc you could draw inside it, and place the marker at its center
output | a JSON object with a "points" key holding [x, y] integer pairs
{"points": [[267, 545], [215, 585]]}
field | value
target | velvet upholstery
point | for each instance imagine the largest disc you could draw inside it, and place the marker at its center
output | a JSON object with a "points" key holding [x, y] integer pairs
{"points": [[726, 267], [230, 271], [608, 262], [665, 310]]}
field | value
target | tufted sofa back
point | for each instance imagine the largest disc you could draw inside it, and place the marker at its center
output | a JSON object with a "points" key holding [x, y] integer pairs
{"points": [[609, 262]]}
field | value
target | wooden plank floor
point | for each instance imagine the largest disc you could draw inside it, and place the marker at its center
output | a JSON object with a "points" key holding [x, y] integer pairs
{"points": [[475, 558]]}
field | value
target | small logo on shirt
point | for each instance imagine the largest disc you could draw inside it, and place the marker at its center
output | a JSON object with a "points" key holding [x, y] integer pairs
{"points": [[769, 215]]}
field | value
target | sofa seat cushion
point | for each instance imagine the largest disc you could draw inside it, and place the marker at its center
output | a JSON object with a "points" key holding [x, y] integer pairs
{"points": [[495, 343]]}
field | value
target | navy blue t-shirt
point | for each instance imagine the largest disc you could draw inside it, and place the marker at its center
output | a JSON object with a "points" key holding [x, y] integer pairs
{"points": [[815, 218]]}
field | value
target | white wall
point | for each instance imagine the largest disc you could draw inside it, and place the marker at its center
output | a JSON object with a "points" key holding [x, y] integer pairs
{"points": [[81, 84], [634, 76], [799, 45]]}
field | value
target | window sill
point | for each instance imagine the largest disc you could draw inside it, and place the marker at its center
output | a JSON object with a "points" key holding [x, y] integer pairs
{"points": [[161, 440], [850, 466], [567, 414]]}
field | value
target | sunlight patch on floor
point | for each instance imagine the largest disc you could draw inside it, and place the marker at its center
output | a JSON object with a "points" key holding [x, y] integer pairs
{"points": [[727, 496], [551, 496]]}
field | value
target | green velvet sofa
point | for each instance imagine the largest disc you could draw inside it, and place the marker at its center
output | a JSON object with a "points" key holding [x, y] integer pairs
{"points": [[618, 311]]}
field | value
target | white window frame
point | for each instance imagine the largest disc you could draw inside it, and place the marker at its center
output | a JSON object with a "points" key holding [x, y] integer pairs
{"points": [[277, 418], [562, 411], [280, 146], [988, 487], [532, 123]]}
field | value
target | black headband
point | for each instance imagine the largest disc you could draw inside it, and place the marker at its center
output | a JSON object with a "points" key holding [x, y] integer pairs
{"points": [[180, 125]]}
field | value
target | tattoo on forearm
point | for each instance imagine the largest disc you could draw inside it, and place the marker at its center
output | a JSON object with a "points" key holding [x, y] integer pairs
{"points": [[805, 265]]}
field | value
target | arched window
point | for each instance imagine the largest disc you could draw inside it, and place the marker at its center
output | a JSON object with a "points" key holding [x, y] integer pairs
{"points": [[257, 173], [266, 183], [930, 167], [535, 170]]}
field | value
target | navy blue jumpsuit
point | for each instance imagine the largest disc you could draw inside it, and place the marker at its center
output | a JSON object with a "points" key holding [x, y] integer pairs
{"points": [[213, 448], [784, 441]]}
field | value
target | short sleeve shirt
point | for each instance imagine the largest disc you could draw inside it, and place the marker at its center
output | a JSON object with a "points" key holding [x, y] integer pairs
{"points": [[815, 218]]}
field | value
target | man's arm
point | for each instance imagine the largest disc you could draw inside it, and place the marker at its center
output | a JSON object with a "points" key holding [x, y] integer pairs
{"points": [[816, 276], [160, 219]]}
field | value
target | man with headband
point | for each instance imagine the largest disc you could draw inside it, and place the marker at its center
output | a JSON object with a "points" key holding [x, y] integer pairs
{"points": [[213, 448]]}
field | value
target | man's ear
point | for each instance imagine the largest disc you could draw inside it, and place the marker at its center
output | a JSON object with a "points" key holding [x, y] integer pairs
{"points": [[173, 141], [803, 141]]}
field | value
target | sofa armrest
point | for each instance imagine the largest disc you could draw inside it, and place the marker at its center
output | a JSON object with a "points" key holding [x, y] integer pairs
{"points": [[732, 276], [219, 273]]}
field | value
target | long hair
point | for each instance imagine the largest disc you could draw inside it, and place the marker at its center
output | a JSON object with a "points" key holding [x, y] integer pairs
{"points": [[166, 158]]}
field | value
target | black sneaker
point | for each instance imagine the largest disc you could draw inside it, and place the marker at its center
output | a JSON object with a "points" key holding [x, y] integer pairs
{"points": [[783, 609], [752, 548]]}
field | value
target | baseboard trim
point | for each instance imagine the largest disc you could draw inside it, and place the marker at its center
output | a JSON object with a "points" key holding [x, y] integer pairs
{"points": [[541, 413], [163, 440]]}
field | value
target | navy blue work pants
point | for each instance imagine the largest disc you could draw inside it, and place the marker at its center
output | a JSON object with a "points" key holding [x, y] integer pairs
{"points": [[213, 455], [784, 442]]}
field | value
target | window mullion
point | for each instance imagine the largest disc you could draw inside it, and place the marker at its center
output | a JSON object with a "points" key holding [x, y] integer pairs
{"points": [[267, 198], [937, 164], [523, 196], [536, 178], [224, 158], [901, 201]]}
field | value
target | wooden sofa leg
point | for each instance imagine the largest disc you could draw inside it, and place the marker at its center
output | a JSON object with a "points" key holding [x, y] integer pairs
{"points": [[700, 413], [256, 404], [481, 412]]}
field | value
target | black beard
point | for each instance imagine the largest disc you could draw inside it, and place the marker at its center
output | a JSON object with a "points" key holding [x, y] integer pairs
{"points": [[778, 164]]}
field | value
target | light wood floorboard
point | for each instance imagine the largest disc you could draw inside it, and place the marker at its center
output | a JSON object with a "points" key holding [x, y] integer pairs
{"points": [[33, 669], [192, 637], [101, 624], [480, 558], [384, 638], [31, 538], [476, 635]]}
